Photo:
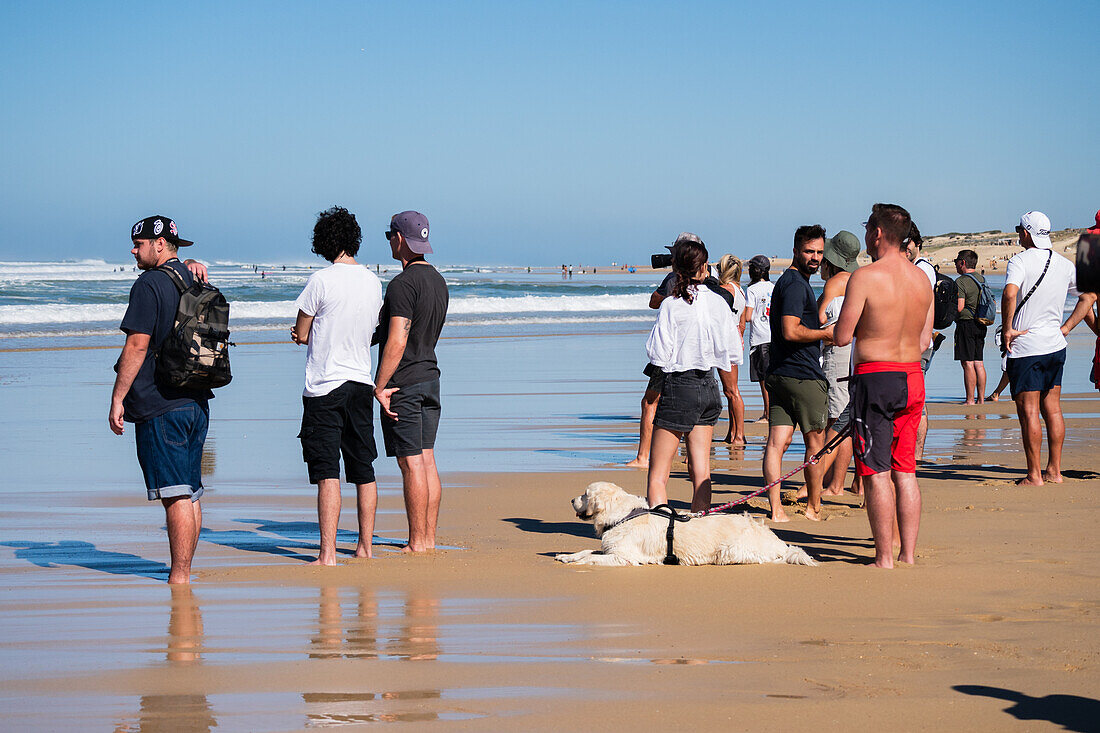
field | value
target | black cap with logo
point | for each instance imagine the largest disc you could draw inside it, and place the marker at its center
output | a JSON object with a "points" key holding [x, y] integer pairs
{"points": [[154, 227]]}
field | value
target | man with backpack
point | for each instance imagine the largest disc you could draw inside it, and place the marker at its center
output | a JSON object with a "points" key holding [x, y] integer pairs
{"points": [[975, 306], [170, 421]]}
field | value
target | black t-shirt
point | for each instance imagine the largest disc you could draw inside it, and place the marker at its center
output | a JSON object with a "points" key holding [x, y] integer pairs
{"points": [[418, 293], [793, 296], [152, 310]]}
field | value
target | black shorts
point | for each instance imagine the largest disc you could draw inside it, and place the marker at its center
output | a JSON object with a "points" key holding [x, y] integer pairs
{"points": [[417, 407], [1036, 373], [340, 422], [688, 399], [656, 378], [758, 362], [969, 340]]}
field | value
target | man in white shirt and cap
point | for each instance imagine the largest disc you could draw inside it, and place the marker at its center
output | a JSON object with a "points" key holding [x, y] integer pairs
{"points": [[1037, 282]]}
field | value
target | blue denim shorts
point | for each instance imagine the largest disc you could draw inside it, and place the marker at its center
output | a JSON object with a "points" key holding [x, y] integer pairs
{"points": [[688, 399], [169, 449]]}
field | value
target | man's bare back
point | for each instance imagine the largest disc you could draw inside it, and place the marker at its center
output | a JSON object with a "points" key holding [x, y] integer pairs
{"points": [[888, 310]]}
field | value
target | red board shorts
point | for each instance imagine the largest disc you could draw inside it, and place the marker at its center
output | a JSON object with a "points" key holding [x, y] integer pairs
{"points": [[887, 399]]}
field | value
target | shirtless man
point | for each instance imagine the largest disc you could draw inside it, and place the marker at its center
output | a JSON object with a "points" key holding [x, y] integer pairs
{"points": [[888, 310]]}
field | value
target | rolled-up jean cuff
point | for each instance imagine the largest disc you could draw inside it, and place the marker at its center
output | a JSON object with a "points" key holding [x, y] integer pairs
{"points": [[171, 492]]}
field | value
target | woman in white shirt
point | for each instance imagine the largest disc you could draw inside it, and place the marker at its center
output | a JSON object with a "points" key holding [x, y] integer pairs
{"points": [[693, 335], [729, 276]]}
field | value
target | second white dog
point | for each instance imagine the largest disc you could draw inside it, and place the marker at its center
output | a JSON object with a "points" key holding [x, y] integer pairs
{"points": [[716, 539]]}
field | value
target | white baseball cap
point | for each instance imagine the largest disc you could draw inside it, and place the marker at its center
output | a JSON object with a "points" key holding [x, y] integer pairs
{"points": [[1038, 226]]}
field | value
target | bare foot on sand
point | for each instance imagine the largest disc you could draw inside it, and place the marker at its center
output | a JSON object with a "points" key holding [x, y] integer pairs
{"points": [[993, 397], [416, 550], [1053, 478], [814, 515], [832, 492], [762, 418], [1030, 481], [361, 551], [739, 443], [637, 463], [780, 516], [802, 493], [329, 562]]}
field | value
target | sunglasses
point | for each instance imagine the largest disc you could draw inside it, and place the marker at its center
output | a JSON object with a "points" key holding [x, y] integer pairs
{"points": [[1019, 229], [390, 234]]}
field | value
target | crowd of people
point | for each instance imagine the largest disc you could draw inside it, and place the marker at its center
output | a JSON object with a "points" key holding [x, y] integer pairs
{"points": [[341, 313], [846, 369], [850, 362]]}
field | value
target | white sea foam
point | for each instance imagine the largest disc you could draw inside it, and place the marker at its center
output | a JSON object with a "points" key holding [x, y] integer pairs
{"points": [[21, 315]]}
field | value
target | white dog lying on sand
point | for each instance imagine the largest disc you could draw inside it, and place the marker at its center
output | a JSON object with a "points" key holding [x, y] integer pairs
{"points": [[716, 539]]}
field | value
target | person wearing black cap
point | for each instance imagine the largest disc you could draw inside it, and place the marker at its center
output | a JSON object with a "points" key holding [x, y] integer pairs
{"points": [[407, 384], [169, 423]]}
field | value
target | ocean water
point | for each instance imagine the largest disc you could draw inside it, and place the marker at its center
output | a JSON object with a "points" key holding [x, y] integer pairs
{"points": [[88, 298], [538, 373]]}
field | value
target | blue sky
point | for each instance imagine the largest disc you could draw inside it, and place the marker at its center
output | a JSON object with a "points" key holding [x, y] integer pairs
{"points": [[538, 133]]}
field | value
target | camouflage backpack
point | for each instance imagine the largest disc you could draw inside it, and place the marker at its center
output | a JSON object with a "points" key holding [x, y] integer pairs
{"points": [[195, 355]]}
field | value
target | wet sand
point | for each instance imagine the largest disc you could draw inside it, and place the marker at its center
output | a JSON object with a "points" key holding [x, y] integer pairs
{"points": [[994, 628]]}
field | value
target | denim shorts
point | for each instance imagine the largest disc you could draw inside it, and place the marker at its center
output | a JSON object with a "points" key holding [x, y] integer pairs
{"points": [[340, 422], [169, 450], [418, 409], [688, 399], [1036, 373]]}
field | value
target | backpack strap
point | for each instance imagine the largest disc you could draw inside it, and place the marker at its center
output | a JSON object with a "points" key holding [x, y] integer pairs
{"points": [[174, 276], [974, 312]]}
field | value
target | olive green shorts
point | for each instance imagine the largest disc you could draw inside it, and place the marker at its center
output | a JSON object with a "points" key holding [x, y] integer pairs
{"points": [[798, 402]]}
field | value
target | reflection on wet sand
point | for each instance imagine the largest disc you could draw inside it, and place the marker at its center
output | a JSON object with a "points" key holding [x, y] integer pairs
{"points": [[357, 636], [973, 437], [180, 713]]}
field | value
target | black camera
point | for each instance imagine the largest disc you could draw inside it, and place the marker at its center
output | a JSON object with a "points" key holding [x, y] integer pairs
{"points": [[1088, 263], [661, 261]]}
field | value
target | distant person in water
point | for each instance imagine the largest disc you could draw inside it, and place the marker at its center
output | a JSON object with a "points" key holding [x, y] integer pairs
{"points": [[888, 311], [337, 316]]}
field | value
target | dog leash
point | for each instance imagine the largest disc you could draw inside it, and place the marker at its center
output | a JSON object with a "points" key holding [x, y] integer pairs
{"points": [[825, 450]]}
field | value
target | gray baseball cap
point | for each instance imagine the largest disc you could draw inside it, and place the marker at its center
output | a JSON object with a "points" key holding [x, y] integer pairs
{"points": [[842, 249], [760, 262], [414, 228]]}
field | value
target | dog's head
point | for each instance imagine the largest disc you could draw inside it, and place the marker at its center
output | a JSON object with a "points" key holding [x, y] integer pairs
{"points": [[604, 503]]}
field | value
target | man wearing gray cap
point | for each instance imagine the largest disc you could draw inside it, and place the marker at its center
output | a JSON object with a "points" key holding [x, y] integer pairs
{"points": [[407, 384]]}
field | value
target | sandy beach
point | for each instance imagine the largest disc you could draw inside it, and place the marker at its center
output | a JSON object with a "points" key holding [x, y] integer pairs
{"points": [[994, 628]]}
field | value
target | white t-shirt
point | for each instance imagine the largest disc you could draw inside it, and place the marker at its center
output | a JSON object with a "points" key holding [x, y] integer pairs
{"points": [[738, 308], [928, 269], [696, 335], [344, 300], [760, 300], [1044, 311]]}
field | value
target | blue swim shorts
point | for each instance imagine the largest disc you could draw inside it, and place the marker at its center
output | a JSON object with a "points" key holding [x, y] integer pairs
{"points": [[169, 449], [1036, 373]]}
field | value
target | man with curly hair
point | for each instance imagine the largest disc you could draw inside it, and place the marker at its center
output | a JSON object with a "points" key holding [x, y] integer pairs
{"points": [[407, 386], [337, 315]]}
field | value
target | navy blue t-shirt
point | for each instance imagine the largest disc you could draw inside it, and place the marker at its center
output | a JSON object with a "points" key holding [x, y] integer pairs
{"points": [[152, 310], [793, 296]]}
